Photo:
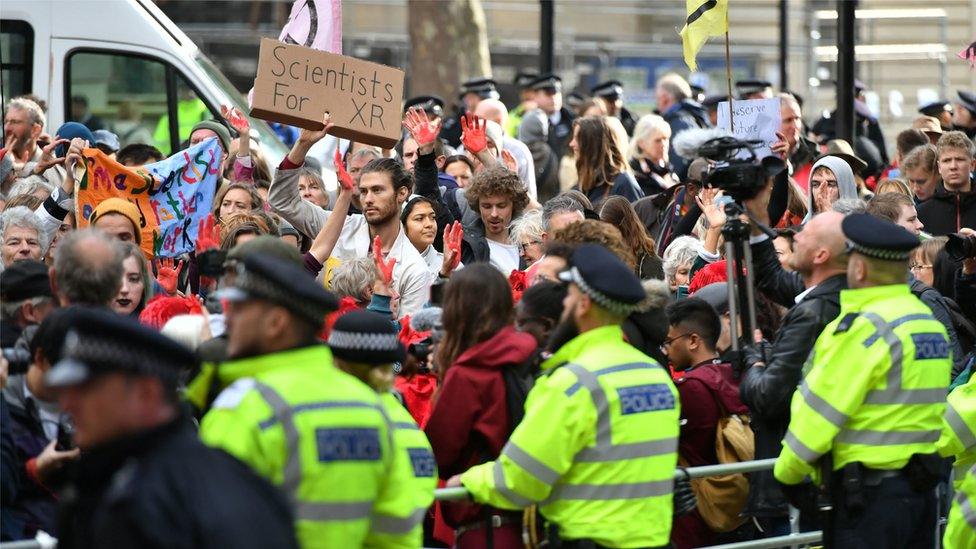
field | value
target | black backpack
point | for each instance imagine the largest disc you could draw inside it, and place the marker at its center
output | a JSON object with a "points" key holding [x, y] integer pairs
{"points": [[519, 380]]}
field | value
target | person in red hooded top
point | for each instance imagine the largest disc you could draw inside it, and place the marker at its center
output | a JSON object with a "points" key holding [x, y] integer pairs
{"points": [[470, 422], [708, 392]]}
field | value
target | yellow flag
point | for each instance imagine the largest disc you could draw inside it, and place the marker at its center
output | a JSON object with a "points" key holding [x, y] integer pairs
{"points": [[705, 18]]}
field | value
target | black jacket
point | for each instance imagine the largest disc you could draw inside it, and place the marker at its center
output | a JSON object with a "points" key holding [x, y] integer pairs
{"points": [[931, 297], [560, 134], [164, 489], [767, 390], [947, 212]]}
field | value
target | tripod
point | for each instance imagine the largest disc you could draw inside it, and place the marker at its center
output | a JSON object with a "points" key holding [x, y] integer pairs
{"points": [[741, 278]]}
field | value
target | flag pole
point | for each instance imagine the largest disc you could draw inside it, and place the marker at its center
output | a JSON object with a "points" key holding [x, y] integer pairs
{"points": [[728, 67]]}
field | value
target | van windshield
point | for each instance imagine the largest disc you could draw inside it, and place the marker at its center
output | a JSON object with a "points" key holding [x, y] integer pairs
{"points": [[274, 149]]}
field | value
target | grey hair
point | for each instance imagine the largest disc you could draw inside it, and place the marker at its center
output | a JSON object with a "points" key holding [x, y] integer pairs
{"points": [[352, 278], [791, 99], [372, 153], [84, 277], [681, 250], [675, 86], [559, 204], [22, 216], [30, 185], [647, 126], [34, 111], [186, 330], [528, 226], [849, 205], [10, 308]]}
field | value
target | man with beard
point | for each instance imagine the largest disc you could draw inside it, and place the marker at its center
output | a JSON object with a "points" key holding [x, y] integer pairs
{"points": [[613, 453], [22, 126], [812, 292], [383, 187]]}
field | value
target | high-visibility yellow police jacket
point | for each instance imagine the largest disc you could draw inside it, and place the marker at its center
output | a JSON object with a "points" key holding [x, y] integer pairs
{"points": [[398, 521], [874, 387], [959, 429], [321, 435], [597, 448], [961, 529]]}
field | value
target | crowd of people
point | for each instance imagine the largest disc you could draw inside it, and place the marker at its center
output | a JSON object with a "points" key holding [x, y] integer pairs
{"points": [[529, 303]]}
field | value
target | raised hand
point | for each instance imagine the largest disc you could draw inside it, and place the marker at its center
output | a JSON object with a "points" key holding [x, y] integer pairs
{"points": [[236, 119], [314, 136], [385, 267], [473, 135], [453, 235], [713, 213], [167, 273], [423, 131], [345, 180], [782, 147], [208, 234], [48, 159]]}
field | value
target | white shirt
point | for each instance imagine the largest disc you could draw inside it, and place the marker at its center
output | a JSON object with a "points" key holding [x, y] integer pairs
{"points": [[504, 257], [803, 294]]}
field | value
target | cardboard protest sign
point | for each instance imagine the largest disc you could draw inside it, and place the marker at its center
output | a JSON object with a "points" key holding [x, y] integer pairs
{"points": [[753, 120], [172, 195], [295, 85], [187, 184], [105, 178]]}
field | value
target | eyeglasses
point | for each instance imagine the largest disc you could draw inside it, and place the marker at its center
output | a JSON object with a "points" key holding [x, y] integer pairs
{"points": [[523, 245], [667, 342], [918, 267]]}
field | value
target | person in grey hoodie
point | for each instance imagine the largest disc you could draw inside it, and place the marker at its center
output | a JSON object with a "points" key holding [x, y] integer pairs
{"points": [[831, 179]]}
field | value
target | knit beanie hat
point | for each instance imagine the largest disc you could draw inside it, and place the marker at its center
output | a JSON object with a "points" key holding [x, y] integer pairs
{"points": [[709, 274], [122, 207], [223, 134]]}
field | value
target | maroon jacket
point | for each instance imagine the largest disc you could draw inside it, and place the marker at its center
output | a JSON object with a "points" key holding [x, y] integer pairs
{"points": [[699, 388], [469, 423]]}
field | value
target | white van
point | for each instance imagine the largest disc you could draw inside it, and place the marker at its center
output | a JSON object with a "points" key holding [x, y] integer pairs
{"points": [[117, 64]]}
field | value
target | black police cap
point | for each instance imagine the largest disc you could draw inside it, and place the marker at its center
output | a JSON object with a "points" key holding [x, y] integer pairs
{"points": [[261, 276], [605, 278], [746, 87], [100, 342], [967, 100], [486, 88], [24, 280], [366, 337], [547, 81], [431, 104], [878, 238], [610, 88], [935, 108], [713, 100], [523, 78]]}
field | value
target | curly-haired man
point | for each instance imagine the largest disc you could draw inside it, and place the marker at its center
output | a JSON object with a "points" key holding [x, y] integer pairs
{"points": [[498, 196]]}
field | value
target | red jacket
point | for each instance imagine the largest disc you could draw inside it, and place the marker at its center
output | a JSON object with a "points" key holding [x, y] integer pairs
{"points": [[469, 423]]}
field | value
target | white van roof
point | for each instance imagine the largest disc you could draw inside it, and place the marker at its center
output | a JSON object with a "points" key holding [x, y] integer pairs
{"points": [[124, 21]]}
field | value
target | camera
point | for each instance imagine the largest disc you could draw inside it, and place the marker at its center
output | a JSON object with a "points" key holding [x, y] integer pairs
{"points": [[961, 246], [735, 168], [18, 360]]}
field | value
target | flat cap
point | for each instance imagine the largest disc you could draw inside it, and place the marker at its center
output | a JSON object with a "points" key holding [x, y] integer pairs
{"points": [[546, 81], [523, 78], [100, 342], [715, 294], [106, 139], [366, 337], [878, 238], [842, 149], [431, 104], [967, 100], [24, 280], [610, 88], [935, 108], [267, 245], [263, 276], [605, 278], [485, 88], [697, 170]]}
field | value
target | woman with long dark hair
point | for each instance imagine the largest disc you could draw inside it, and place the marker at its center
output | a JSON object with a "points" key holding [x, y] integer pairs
{"points": [[470, 422], [618, 212], [600, 165]]}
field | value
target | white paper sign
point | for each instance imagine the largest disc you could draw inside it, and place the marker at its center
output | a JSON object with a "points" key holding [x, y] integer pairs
{"points": [[753, 120]]}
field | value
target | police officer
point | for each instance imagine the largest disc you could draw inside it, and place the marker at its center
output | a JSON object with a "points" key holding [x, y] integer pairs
{"points": [[319, 434], [754, 89], [597, 448], [961, 529], [612, 93], [959, 430], [942, 110], [548, 90], [365, 345], [472, 92], [869, 410], [526, 101], [144, 479]]}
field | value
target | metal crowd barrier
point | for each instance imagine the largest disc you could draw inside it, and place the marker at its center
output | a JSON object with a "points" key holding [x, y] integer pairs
{"points": [[795, 539], [792, 540]]}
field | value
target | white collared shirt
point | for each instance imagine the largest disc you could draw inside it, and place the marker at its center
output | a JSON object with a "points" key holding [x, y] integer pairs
{"points": [[803, 294]]}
